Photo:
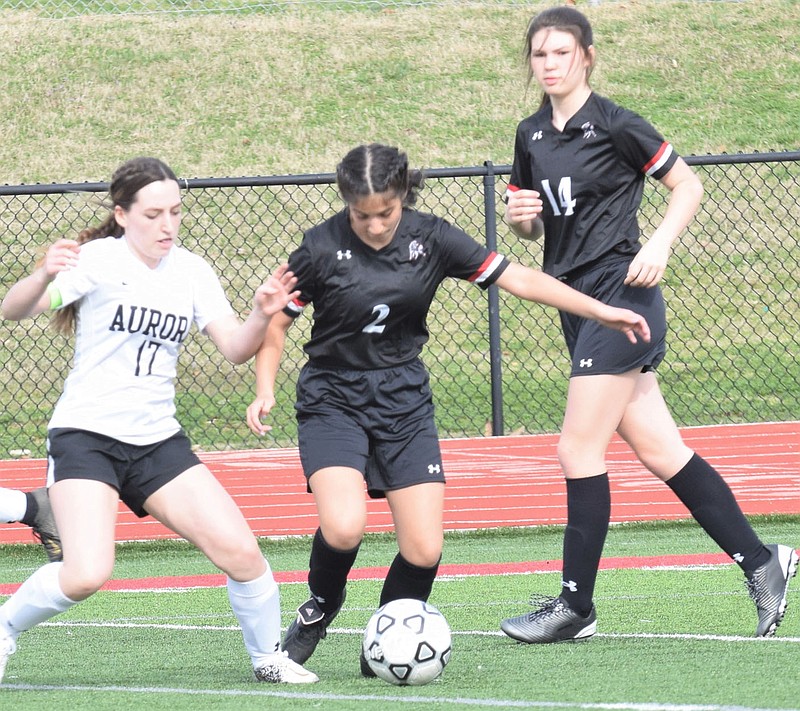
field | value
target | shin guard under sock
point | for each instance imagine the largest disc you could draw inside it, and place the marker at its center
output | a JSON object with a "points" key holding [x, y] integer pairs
{"points": [[712, 504], [328, 570], [406, 580], [588, 514]]}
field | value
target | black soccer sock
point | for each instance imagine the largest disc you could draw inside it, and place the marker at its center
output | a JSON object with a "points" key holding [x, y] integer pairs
{"points": [[712, 504], [31, 510], [588, 514], [328, 569], [406, 580]]}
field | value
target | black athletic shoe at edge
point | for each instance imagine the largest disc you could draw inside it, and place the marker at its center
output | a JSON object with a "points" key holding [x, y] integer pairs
{"points": [[552, 621], [309, 627], [44, 526], [768, 587]]}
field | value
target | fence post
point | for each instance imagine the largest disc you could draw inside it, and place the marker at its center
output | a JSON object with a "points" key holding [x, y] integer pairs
{"points": [[495, 353]]}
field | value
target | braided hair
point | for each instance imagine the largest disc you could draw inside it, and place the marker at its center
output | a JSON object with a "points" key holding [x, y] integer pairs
{"points": [[374, 168]]}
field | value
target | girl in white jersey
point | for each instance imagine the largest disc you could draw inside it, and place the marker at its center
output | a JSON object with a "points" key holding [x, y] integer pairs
{"points": [[579, 168], [131, 294]]}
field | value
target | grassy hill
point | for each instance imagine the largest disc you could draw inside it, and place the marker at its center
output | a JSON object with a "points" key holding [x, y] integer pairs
{"points": [[290, 91]]}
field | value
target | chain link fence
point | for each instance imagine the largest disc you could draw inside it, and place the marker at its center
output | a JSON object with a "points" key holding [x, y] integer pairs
{"points": [[498, 364]]}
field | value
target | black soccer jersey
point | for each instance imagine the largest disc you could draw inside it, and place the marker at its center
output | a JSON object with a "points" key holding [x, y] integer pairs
{"points": [[370, 306], [590, 178]]}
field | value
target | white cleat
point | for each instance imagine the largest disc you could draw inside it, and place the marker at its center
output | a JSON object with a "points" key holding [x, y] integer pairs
{"points": [[279, 669]]}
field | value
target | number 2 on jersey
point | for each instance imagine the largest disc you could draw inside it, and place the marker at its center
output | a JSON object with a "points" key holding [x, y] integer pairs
{"points": [[381, 311]]}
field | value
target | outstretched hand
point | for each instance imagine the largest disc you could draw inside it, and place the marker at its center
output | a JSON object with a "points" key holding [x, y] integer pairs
{"points": [[633, 325], [276, 292], [60, 256], [260, 407]]}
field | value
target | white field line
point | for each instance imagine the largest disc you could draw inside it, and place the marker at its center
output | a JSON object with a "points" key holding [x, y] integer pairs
{"points": [[465, 633], [384, 699]]}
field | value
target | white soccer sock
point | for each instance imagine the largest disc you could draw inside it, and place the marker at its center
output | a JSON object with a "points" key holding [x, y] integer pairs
{"points": [[13, 505], [38, 599], [257, 606]]}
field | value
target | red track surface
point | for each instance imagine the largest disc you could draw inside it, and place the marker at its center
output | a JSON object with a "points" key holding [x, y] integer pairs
{"points": [[497, 481]]}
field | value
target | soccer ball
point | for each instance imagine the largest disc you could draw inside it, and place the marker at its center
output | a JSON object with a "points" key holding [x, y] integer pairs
{"points": [[407, 642]]}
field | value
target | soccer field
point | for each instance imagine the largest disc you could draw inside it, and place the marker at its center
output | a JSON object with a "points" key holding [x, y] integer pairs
{"points": [[675, 637]]}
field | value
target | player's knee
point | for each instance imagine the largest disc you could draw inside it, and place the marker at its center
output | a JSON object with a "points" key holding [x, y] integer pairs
{"points": [[343, 538], [343, 533], [79, 581], [663, 462], [423, 554], [569, 453], [241, 559]]}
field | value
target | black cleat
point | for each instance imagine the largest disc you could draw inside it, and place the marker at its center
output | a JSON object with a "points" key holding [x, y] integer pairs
{"points": [[306, 631], [44, 525], [552, 621], [769, 585]]}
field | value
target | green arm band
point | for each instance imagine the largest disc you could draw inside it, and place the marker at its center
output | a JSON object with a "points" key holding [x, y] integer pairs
{"points": [[55, 296]]}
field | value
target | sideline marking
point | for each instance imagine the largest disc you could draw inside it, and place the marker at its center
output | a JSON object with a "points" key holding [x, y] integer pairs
{"points": [[491, 703]]}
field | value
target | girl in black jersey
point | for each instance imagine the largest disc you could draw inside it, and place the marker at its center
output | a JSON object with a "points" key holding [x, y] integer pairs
{"points": [[129, 294], [579, 168], [364, 404]]}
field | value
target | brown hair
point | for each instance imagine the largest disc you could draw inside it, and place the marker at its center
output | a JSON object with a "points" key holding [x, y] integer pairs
{"points": [[563, 19], [126, 182]]}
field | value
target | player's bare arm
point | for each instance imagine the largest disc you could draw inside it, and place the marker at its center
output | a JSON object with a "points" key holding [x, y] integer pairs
{"points": [[534, 285], [686, 191], [523, 208], [267, 361], [238, 341], [29, 297]]}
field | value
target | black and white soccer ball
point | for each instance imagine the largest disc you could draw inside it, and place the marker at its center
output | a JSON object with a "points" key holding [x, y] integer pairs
{"points": [[407, 642]]}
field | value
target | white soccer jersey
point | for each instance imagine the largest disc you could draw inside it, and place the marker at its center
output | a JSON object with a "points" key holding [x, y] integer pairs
{"points": [[131, 321]]}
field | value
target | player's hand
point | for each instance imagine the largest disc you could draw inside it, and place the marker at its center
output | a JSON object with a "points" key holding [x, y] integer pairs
{"points": [[258, 409], [61, 255], [649, 265], [523, 207], [633, 325], [277, 291]]}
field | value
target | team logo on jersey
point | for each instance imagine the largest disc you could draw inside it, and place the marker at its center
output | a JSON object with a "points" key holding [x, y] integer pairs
{"points": [[588, 130], [537, 136], [343, 254], [415, 251]]}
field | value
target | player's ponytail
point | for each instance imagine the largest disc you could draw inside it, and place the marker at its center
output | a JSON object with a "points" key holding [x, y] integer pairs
{"points": [[126, 182]]}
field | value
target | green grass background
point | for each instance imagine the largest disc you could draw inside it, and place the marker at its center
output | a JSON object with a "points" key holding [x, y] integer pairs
{"points": [[290, 91], [666, 638]]}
